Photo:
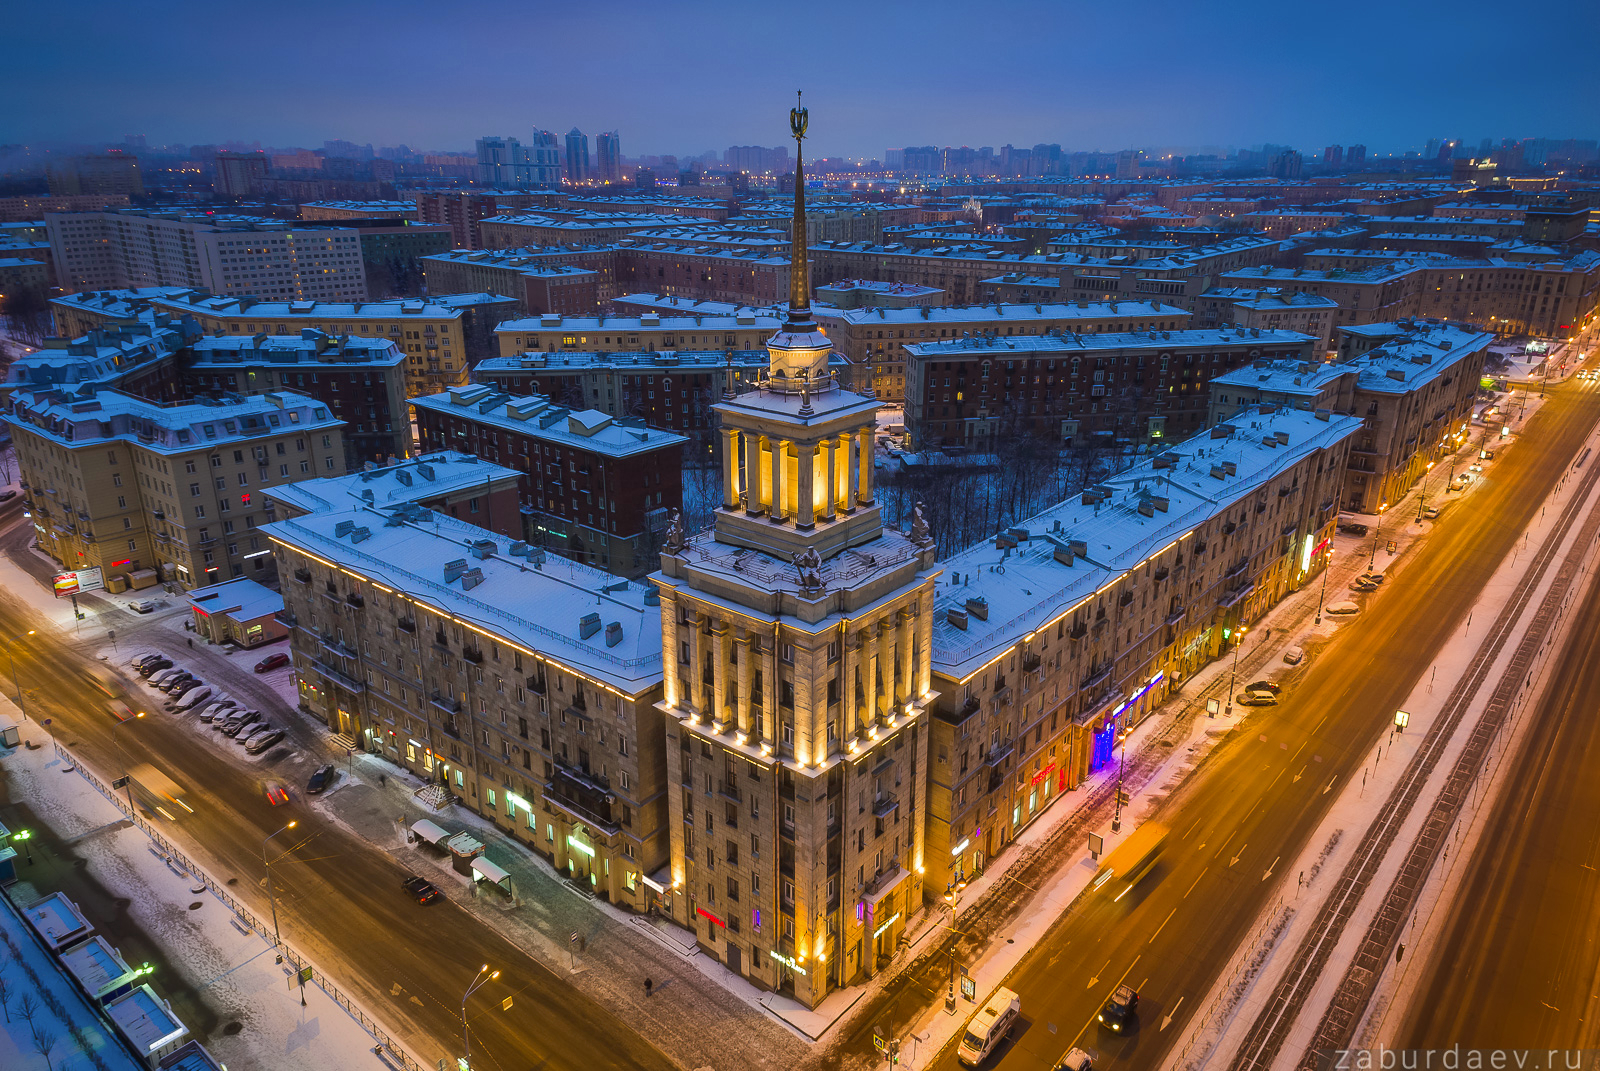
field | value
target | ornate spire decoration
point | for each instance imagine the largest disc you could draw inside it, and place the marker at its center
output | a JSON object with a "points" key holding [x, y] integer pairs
{"points": [[799, 276]]}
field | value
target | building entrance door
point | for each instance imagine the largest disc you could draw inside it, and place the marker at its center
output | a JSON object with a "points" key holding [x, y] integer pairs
{"points": [[735, 961]]}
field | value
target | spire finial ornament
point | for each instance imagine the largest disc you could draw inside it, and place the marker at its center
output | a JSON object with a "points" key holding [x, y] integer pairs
{"points": [[799, 276]]}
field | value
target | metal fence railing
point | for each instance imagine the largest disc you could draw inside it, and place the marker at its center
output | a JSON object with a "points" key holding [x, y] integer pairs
{"points": [[386, 1047]]}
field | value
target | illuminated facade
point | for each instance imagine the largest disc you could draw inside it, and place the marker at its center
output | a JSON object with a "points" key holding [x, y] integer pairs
{"points": [[796, 640]]}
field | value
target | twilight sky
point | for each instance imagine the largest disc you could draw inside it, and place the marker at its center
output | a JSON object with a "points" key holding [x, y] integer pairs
{"points": [[695, 75]]}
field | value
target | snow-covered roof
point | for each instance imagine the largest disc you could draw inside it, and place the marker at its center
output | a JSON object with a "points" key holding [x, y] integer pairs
{"points": [[416, 479], [1305, 379], [107, 416], [1269, 298], [119, 303], [667, 361], [1019, 313], [536, 417], [691, 319], [474, 576], [441, 307], [688, 306], [310, 347], [146, 1021], [57, 919], [1005, 346], [1423, 355], [1116, 535], [241, 599], [96, 965], [103, 356]]}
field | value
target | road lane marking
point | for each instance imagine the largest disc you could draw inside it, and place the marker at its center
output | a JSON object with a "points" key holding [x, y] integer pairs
{"points": [[1197, 878], [1161, 927], [1166, 1020], [1096, 977], [1236, 858], [1268, 874]]}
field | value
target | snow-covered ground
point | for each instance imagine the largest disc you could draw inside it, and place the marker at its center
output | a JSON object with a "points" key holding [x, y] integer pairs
{"points": [[233, 968]]}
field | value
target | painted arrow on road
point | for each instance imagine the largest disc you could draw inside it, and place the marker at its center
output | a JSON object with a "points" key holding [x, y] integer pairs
{"points": [[1331, 780], [1166, 1020], [1268, 874], [1096, 977], [1235, 859], [1300, 774]]}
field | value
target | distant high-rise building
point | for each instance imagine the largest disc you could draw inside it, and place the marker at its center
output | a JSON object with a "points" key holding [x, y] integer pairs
{"points": [[109, 173], [544, 159], [644, 178], [577, 156], [1333, 156], [1046, 159], [347, 150], [1355, 156], [1287, 164], [134, 142], [497, 159], [1430, 151], [757, 159], [238, 172], [608, 157], [894, 159], [507, 163]]}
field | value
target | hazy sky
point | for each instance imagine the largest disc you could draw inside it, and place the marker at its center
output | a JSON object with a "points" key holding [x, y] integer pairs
{"points": [[690, 76]]}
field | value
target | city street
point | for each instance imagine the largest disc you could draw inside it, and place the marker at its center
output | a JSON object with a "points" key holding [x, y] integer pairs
{"points": [[1261, 793], [1514, 964]]}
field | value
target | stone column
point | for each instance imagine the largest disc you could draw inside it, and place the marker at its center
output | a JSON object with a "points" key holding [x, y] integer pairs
{"points": [[864, 446], [903, 679], [741, 702], [769, 691], [830, 510], [886, 664], [805, 501], [852, 473], [730, 468], [691, 680], [869, 676], [752, 474], [775, 512], [720, 640], [849, 660]]}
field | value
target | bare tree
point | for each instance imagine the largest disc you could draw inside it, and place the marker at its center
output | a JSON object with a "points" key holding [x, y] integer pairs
{"points": [[5, 995], [44, 1039], [27, 1007]]}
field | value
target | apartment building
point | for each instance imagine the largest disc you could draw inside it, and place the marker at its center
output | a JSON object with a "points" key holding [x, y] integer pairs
{"points": [[445, 481], [740, 328], [341, 210], [362, 380], [1106, 390], [123, 484], [525, 685], [142, 358], [593, 488], [1365, 296], [571, 228], [1270, 309], [1107, 603], [567, 283], [464, 211], [873, 339], [227, 254], [1413, 392], [705, 272]]}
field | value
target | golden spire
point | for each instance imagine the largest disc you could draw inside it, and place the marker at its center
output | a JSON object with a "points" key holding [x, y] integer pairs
{"points": [[799, 280]]}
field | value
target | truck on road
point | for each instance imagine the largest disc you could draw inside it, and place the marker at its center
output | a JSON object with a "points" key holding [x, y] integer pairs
{"points": [[157, 791]]}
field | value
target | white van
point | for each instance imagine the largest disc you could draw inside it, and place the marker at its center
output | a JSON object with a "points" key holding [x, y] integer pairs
{"points": [[991, 1023]]}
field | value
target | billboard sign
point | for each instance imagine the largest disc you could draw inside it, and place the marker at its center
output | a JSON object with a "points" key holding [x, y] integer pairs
{"points": [[78, 581]]}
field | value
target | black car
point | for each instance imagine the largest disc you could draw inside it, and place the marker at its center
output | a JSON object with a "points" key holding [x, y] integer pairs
{"points": [[1121, 1010], [421, 889], [154, 665], [320, 780]]}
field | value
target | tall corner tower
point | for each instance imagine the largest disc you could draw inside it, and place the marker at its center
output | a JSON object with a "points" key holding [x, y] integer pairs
{"points": [[796, 634]]}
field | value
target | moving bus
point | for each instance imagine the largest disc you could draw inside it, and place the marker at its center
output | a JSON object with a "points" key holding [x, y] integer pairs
{"points": [[1132, 859], [158, 792]]}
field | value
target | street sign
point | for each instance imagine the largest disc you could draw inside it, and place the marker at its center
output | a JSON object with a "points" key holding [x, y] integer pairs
{"points": [[573, 939], [969, 986], [505, 1005], [120, 782], [879, 1040]]}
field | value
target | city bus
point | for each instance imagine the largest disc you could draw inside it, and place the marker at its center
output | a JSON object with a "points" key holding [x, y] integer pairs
{"points": [[1132, 859], [158, 792]]}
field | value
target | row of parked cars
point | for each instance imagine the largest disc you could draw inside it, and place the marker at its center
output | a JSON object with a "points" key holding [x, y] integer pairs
{"points": [[187, 692]]}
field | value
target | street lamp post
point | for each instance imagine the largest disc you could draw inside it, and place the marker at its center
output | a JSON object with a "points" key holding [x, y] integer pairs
{"points": [[127, 784], [950, 992], [1327, 566], [277, 942], [1233, 680], [477, 983], [1372, 562], [1422, 496], [11, 656]]}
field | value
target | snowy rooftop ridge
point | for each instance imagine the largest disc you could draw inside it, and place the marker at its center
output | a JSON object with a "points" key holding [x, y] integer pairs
{"points": [[1146, 509], [1018, 312], [111, 415], [537, 417], [1107, 341], [503, 589], [411, 480]]}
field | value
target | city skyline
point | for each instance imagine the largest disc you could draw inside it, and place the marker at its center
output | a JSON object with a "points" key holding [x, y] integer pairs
{"points": [[1202, 82]]}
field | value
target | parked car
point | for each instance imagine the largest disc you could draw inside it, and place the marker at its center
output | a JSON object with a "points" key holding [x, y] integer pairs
{"points": [[1075, 1060], [184, 688], [168, 676], [169, 670], [271, 662], [1353, 528], [143, 606], [1342, 608], [261, 741], [8, 494], [142, 657], [1264, 686], [1432, 513], [154, 666], [231, 725], [320, 780], [176, 680], [1293, 655], [1121, 1010], [192, 700], [1256, 699], [421, 890]]}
